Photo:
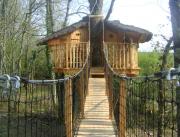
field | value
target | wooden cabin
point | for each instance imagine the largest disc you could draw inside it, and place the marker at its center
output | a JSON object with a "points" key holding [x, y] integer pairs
{"points": [[70, 46]]}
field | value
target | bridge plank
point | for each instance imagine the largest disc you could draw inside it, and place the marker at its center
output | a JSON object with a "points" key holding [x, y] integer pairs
{"points": [[96, 122]]}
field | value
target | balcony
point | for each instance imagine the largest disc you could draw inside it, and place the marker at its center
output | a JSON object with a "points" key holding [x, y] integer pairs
{"points": [[122, 57], [69, 57]]}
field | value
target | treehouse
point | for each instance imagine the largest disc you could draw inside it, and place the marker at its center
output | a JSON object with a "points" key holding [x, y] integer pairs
{"points": [[71, 46]]}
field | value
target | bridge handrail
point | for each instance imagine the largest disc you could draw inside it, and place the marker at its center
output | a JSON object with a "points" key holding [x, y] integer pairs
{"points": [[135, 102], [54, 80], [59, 101]]}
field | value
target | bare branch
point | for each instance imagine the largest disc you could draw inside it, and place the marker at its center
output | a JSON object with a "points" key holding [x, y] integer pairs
{"points": [[165, 54], [78, 12], [166, 39], [110, 10], [67, 13]]}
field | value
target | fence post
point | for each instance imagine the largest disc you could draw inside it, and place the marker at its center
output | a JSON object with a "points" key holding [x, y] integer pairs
{"points": [[122, 108], [68, 108], [178, 107], [160, 108]]}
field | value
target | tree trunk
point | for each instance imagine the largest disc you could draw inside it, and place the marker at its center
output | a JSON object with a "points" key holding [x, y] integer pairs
{"points": [[49, 28], [27, 70], [95, 7], [49, 17], [96, 40], [175, 19], [4, 5], [96, 32]]}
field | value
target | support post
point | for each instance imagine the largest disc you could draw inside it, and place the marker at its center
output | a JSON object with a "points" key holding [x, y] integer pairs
{"points": [[178, 107], [67, 46], [68, 108], [87, 78], [110, 95], [107, 86], [122, 108], [81, 92]]}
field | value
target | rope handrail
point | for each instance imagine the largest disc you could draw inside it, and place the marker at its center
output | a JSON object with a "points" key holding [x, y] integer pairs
{"points": [[143, 105], [57, 80], [58, 103], [160, 74]]}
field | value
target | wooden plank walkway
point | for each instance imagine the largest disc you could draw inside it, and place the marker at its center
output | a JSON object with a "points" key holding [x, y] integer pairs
{"points": [[96, 122]]}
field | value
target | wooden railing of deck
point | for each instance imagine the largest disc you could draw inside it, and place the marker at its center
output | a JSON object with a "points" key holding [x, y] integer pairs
{"points": [[69, 55], [122, 57]]}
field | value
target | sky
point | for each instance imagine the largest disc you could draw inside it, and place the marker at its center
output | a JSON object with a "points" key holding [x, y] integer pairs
{"points": [[153, 15], [147, 14]]}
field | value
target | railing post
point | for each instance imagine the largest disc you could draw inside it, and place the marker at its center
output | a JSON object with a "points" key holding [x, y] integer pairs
{"points": [[122, 108], [106, 78], [66, 45], [87, 80], [68, 108]]}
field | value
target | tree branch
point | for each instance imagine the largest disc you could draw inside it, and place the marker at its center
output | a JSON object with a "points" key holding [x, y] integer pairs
{"points": [[165, 54], [110, 10], [67, 13]]}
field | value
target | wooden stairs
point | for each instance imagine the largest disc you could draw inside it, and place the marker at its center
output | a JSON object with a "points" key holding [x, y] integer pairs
{"points": [[96, 122], [97, 72]]}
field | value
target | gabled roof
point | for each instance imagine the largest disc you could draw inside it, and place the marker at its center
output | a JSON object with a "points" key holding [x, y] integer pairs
{"points": [[114, 25]]}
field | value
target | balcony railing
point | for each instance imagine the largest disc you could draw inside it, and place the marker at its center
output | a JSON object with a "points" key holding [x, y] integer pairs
{"points": [[69, 55], [123, 57]]}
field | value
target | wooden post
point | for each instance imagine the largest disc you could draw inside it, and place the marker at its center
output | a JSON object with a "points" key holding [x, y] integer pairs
{"points": [[67, 46], [107, 79], [131, 56], [68, 108], [120, 56], [178, 107], [110, 96], [87, 80], [107, 86], [122, 109], [70, 62], [81, 95]]}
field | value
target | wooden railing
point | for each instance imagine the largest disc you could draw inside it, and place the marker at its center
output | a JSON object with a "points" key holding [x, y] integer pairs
{"points": [[69, 55], [122, 57]]}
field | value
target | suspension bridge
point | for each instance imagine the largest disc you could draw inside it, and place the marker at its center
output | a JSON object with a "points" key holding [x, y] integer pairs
{"points": [[82, 105]]}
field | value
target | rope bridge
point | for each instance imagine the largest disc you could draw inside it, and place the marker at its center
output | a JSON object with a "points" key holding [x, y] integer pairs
{"points": [[138, 106], [142, 106], [42, 108]]}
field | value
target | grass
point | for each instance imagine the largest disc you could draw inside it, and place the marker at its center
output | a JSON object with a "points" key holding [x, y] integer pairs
{"points": [[31, 126], [30, 113]]}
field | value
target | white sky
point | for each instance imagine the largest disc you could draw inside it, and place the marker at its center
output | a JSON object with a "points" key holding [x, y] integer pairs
{"points": [[147, 14]]}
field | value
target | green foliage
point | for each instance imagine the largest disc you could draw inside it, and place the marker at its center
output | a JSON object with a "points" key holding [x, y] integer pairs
{"points": [[150, 62]]}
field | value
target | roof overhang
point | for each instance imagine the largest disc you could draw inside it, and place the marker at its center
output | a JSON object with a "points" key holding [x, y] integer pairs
{"points": [[114, 25]]}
